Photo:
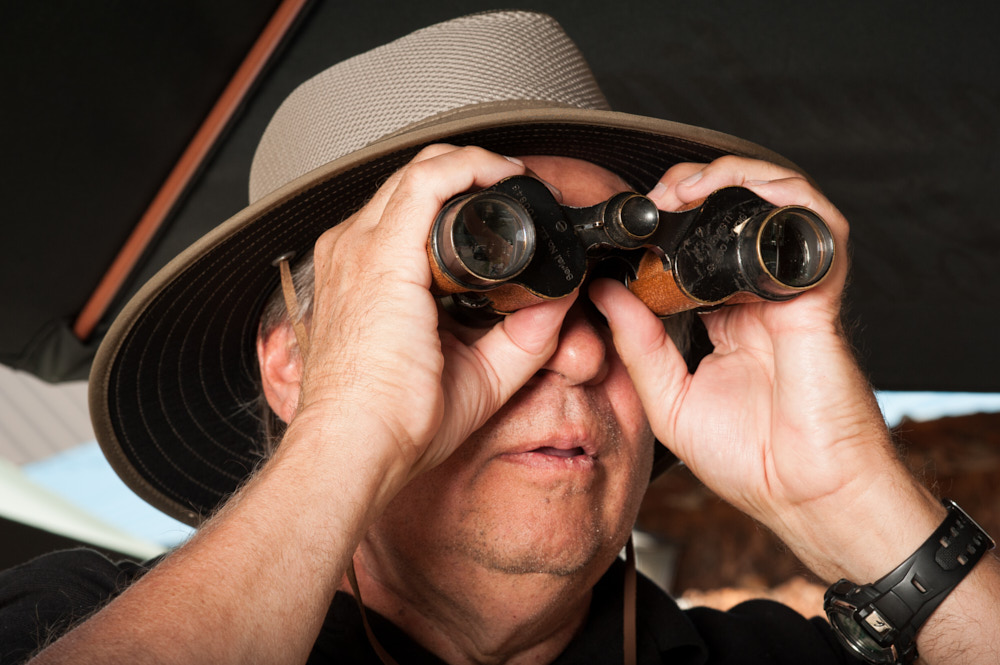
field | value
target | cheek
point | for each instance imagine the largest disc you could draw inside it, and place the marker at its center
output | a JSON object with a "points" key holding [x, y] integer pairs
{"points": [[423, 514], [636, 435], [624, 400]]}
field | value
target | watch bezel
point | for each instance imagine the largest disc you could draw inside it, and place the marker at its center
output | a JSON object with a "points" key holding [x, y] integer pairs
{"points": [[873, 651]]}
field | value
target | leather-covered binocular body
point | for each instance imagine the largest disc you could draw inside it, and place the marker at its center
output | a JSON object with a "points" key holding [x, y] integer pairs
{"points": [[512, 245]]}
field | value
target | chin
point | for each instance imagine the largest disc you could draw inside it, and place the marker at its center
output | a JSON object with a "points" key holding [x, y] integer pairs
{"points": [[586, 559], [543, 538], [515, 519], [543, 555]]}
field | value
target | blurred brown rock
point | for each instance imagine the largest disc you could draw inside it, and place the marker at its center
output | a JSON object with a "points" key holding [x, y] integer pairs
{"points": [[723, 557]]}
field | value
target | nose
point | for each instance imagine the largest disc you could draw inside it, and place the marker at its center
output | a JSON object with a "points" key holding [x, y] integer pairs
{"points": [[581, 356]]}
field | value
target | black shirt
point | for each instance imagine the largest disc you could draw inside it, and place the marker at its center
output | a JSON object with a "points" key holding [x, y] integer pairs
{"points": [[44, 597]]}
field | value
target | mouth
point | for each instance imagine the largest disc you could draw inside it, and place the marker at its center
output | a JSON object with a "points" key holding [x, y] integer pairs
{"points": [[554, 458], [565, 453]]}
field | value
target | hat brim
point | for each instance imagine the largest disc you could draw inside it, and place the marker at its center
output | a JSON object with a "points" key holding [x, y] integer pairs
{"points": [[174, 386]]}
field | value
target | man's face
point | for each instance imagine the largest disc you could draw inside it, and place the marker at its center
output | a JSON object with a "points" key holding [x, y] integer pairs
{"points": [[552, 483]]}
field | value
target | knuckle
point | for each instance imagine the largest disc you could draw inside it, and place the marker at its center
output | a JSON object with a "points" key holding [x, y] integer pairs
{"points": [[475, 152], [473, 157], [328, 240], [730, 163], [681, 169], [730, 160], [801, 189], [415, 175], [431, 151]]}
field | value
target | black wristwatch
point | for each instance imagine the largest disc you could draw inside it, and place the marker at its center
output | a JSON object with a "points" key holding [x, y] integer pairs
{"points": [[879, 622]]}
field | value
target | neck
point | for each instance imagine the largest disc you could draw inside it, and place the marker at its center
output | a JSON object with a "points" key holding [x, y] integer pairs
{"points": [[474, 615]]}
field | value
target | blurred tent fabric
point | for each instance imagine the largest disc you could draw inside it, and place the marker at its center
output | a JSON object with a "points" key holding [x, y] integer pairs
{"points": [[893, 107]]}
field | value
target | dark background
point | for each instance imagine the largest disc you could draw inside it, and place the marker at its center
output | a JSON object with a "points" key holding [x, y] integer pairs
{"points": [[891, 106]]}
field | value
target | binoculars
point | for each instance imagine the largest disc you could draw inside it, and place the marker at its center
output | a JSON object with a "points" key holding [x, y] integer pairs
{"points": [[512, 245]]}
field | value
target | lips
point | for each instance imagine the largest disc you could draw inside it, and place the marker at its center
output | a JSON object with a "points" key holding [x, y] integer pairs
{"points": [[559, 452], [555, 455]]}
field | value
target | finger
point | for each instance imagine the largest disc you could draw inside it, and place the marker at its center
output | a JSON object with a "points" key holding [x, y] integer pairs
{"points": [[728, 172], [433, 150], [505, 358], [523, 342], [796, 191], [375, 206], [425, 186], [391, 229], [374, 209], [664, 194], [656, 367], [370, 213]]}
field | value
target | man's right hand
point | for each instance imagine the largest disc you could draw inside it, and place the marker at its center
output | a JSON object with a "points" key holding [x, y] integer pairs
{"points": [[375, 345], [383, 396]]}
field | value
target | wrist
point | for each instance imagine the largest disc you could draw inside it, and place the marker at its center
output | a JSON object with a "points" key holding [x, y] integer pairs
{"points": [[865, 529], [880, 621], [336, 455]]}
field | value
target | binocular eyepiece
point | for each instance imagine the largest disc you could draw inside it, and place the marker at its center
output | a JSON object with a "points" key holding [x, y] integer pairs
{"points": [[512, 245]]}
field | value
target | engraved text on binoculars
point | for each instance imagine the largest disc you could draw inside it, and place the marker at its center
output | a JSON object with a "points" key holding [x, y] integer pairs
{"points": [[556, 254], [518, 193], [709, 247]]}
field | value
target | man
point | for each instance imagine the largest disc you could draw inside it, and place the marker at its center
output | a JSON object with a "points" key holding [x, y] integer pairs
{"points": [[480, 480]]}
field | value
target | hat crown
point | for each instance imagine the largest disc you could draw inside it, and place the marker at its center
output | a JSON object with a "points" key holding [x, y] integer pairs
{"points": [[491, 57]]}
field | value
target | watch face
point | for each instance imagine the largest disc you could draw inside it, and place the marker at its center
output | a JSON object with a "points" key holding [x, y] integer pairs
{"points": [[855, 636]]}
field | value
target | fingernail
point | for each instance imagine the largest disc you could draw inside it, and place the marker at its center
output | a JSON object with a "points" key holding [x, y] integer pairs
{"points": [[751, 183], [514, 160], [657, 192], [691, 179], [552, 188]]}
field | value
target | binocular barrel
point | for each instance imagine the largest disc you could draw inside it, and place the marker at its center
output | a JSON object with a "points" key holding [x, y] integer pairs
{"points": [[483, 239], [513, 245]]}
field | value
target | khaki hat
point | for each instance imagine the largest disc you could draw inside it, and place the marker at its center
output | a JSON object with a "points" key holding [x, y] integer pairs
{"points": [[174, 387]]}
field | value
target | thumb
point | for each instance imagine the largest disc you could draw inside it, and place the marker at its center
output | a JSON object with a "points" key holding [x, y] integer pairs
{"points": [[482, 377], [656, 367]]}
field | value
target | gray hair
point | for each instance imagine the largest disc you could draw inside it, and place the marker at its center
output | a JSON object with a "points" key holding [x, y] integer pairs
{"points": [[273, 316]]}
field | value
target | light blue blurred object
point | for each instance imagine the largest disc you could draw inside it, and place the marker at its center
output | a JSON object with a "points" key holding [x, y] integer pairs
{"points": [[922, 406], [83, 477]]}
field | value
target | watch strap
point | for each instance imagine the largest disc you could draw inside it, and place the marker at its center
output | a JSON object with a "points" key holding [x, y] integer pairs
{"points": [[910, 593], [894, 608]]}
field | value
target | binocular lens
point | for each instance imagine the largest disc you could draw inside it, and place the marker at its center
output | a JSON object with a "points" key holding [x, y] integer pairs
{"points": [[493, 237], [795, 247]]}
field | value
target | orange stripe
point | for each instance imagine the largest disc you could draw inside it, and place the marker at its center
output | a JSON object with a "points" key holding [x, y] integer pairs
{"points": [[186, 167]]}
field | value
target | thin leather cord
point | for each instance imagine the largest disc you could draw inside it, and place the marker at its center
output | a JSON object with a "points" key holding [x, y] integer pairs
{"points": [[629, 612], [292, 305], [302, 337], [378, 648]]}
